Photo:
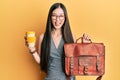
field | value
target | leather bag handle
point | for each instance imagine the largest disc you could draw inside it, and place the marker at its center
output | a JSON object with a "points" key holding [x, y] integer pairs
{"points": [[81, 39]]}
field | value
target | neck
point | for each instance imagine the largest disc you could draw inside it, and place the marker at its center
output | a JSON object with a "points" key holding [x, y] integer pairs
{"points": [[56, 32]]}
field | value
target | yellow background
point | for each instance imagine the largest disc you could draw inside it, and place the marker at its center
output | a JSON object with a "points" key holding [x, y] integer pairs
{"points": [[98, 18]]}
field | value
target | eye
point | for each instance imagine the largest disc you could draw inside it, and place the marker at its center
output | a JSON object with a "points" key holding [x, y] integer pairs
{"points": [[61, 17], [58, 16]]}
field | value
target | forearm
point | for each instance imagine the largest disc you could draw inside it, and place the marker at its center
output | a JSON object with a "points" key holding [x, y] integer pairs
{"points": [[36, 57], [35, 54]]}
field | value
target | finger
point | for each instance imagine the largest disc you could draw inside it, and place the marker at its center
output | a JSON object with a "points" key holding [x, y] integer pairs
{"points": [[26, 44], [85, 36], [25, 37], [88, 37]]}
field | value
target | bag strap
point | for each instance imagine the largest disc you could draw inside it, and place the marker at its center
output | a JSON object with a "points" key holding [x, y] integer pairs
{"points": [[81, 39], [99, 78]]}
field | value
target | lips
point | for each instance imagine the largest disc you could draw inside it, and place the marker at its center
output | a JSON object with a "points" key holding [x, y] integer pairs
{"points": [[57, 23]]}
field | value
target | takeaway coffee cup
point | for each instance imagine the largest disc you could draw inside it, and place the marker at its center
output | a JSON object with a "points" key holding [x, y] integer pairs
{"points": [[30, 38]]}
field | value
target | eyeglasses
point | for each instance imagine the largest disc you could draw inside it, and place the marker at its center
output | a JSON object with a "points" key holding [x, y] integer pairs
{"points": [[61, 17]]}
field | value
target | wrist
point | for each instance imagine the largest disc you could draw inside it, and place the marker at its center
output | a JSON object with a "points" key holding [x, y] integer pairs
{"points": [[32, 50]]}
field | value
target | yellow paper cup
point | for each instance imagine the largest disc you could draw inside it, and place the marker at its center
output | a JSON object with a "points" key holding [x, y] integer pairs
{"points": [[31, 38]]}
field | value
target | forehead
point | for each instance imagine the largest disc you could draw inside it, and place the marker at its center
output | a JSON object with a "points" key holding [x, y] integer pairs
{"points": [[58, 11]]}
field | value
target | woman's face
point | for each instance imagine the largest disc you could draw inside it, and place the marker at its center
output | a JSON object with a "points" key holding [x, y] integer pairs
{"points": [[58, 18]]}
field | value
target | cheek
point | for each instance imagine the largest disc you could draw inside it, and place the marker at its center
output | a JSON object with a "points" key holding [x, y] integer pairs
{"points": [[53, 22], [62, 22]]}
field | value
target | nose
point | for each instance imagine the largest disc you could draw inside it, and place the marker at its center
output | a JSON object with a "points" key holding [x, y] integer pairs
{"points": [[57, 18]]}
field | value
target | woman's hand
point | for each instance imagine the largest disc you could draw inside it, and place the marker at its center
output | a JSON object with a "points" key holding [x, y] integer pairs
{"points": [[86, 38], [31, 49]]}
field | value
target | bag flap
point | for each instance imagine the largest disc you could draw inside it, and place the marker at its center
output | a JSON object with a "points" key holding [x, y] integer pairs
{"points": [[77, 49]]}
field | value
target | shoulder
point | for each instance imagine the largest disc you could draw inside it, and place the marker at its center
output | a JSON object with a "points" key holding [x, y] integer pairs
{"points": [[40, 42]]}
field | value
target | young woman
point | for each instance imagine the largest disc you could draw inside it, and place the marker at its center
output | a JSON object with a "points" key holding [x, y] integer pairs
{"points": [[51, 52]]}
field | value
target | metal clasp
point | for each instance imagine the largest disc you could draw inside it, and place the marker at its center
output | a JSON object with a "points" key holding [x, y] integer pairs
{"points": [[85, 70]]}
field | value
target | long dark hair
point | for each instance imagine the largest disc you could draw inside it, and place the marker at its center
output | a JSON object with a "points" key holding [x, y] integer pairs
{"points": [[46, 43]]}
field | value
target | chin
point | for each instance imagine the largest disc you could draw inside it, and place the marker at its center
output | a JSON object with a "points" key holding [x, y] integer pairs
{"points": [[57, 27]]}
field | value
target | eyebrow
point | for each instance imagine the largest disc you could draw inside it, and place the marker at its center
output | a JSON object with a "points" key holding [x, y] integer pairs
{"points": [[58, 14]]}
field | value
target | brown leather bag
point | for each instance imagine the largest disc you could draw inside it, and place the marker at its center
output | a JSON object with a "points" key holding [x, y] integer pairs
{"points": [[85, 59]]}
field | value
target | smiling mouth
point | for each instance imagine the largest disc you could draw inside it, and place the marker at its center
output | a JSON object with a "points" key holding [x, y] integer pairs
{"points": [[57, 23]]}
